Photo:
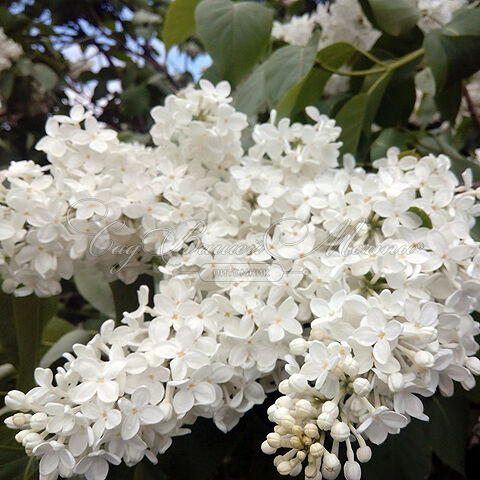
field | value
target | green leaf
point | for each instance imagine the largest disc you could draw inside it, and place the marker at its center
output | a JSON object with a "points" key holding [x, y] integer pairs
{"points": [[31, 314], [375, 87], [448, 101], [8, 338], [357, 114], [272, 80], [14, 463], [95, 289], [179, 22], [397, 103], [251, 95], [44, 75], [426, 220], [286, 67], [403, 456], [136, 100], [207, 448], [351, 118], [390, 137], [448, 428], [401, 45], [55, 329], [310, 88], [7, 80], [234, 34], [394, 17], [453, 52]]}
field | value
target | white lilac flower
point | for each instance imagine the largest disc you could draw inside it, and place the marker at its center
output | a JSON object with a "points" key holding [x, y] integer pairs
{"points": [[372, 310]]}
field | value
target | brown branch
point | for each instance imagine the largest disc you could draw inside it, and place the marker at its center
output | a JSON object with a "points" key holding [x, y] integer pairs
{"points": [[148, 56]]}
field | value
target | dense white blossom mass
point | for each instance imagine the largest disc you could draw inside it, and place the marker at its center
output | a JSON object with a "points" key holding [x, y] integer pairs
{"points": [[345, 21], [368, 280]]}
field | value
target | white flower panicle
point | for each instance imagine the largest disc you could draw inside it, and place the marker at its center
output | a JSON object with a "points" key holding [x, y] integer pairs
{"points": [[9, 51], [339, 21], [104, 202], [369, 282], [125, 394], [345, 21]]}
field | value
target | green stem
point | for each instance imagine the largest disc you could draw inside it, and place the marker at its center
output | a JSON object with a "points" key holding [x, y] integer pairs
{"points": [[354, 73], [371, 57], [407, 59], [387, 67], [378, 81]]}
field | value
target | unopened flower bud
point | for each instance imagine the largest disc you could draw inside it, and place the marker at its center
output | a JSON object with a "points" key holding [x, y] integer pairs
{"points": [[424, 359], [301, 456], [311, 430], [317, 449], [330, 408], [287, 422], [324, 421], [296, 442], [270, 411], [303, 408], [331, 466], [396, 382], [279, 413], [310, 471], [274, 440], [285, 402], [20, 420], [284, 387], [298, 383], [364, 454], [267, 449], [340, 431], [352, 470], [298, 346], [20, 436], [284, 468], [297, 430], [473, 364], [32, 440], [351, 367], [17, 400], [361, 386], [38, 422]]}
